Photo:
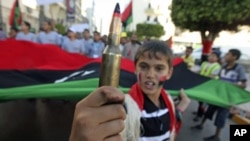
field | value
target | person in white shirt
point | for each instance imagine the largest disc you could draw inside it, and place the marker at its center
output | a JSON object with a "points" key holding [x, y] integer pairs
{"points": [[25, 33], [72, 44]]}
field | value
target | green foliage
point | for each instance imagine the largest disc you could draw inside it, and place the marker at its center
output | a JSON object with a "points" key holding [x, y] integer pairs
{"points": [[149, 30], [60, 28], [129, 33], [210, 15]]}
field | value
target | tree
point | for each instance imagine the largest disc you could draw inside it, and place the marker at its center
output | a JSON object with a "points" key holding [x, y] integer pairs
{"points": [[60, 28], [209, 17], [149, 30]]}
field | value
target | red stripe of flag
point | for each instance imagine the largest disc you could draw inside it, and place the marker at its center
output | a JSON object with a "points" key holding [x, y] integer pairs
{"points": [[126, 13], [24, 55]]}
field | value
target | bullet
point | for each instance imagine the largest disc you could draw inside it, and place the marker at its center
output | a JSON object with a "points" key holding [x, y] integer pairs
{"points": [[111, 57]]}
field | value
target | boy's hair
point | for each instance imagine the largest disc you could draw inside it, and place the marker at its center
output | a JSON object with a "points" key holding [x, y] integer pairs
{"points": [[236, 53], [49, 22], [189, 47], [153, 47], [14, 28]]}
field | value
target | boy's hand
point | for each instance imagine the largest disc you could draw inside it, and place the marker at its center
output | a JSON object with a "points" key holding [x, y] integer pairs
{"points": [[100, 116], [184, 101]]}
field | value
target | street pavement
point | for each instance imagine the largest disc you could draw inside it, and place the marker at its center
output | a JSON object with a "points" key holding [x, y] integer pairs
{"points": [[188, 134]]}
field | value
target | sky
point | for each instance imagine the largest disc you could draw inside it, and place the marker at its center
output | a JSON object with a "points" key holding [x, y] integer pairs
{"points": [[103, 10]]}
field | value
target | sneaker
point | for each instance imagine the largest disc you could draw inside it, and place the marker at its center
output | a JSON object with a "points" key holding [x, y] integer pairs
{"points": [[197, 127], [194, 113], [212, 138]]}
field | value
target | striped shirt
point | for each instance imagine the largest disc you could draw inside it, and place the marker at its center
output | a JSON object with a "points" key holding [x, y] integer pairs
{"points": [[155, 121], [234, 75]]}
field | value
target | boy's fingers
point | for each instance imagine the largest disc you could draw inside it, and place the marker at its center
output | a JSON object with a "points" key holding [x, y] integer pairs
{"points": [[114, 138], [111, 128], [102, 96], [108, 113]]}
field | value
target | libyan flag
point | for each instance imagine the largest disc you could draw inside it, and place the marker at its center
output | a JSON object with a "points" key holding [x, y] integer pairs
{"points": [[30, 70], [127, 17], [15, 15]]}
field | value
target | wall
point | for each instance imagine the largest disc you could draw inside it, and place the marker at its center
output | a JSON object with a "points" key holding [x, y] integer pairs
{"points": [[28, 13]]}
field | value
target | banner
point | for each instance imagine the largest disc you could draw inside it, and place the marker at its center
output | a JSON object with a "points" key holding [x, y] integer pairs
{"points": [[70, 12], [46, 2]]}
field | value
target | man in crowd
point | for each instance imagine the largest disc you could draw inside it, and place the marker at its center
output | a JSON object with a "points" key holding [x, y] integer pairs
{"points": [[72, 44], [97, 46], [87, 41], [25, 33], [48, 36], [131, 48], [13, 33]]}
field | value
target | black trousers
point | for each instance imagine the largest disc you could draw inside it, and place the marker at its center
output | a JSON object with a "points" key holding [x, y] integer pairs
{"points": [[201, 109]]}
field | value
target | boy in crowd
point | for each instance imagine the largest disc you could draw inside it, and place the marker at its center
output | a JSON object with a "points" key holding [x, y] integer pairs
{"points": [[160, 119], [230, 72], [25, 33], [97, 46], [72, 44], [210, 68], [47, 35], [188, 58], [13, 33]]}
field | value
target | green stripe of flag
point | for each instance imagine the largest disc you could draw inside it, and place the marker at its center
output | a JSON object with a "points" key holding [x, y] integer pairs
{"points": [[75, 90]]}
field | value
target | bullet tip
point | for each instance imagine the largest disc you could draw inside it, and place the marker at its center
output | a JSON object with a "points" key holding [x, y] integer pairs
{"points": [[117, 8]]}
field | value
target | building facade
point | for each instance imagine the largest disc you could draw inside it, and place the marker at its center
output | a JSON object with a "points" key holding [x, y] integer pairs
{"points": [[28, 14], [141, 13], [36, 14]]}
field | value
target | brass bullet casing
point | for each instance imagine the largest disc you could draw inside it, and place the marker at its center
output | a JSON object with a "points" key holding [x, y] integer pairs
{"points": [[111, 57]]}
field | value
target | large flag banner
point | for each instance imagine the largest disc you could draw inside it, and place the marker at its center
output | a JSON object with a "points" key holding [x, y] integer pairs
{"points": [[46, 2], [15, 19], [30, 70], [70, 12], [127, 17]]}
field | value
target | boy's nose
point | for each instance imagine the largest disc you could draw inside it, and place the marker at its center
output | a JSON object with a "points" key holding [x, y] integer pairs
{"points": [[150, 73]]}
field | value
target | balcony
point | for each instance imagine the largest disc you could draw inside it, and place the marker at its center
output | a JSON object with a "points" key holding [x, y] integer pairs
{"points": [[152, 12]]}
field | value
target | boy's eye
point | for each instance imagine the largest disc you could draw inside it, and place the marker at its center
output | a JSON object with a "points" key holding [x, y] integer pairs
{"points": [[159, 68], [142, 66]]}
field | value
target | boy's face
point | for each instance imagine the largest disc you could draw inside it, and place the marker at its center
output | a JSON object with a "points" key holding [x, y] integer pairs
{"points": [[229, 57], [189, 51], [212, 58], [24, 27], [152, 73]]}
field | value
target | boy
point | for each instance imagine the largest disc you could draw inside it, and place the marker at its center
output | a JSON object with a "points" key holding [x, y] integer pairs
{"points": [[160, 120], [47, 35], [188, 59], [25, 33], [72, 44], [210, 68], [230, 72], [153, 64]]}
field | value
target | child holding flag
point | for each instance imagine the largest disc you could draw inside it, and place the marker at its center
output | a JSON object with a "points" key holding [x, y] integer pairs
{"points": [[210, 68]]}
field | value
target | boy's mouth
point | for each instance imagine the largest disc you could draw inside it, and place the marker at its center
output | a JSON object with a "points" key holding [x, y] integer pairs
{"points": [[149, 84]]}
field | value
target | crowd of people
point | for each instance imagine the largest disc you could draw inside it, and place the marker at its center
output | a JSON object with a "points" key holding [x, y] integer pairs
{"points": [[73, 41], [227, 70]]}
